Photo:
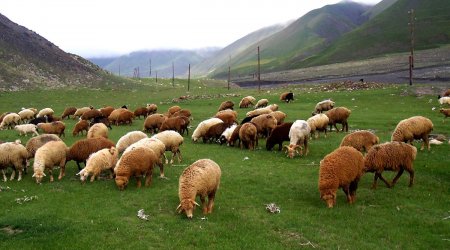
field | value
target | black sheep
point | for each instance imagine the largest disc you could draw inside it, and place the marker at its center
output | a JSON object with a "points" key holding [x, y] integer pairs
{"points": [[278, 135]]}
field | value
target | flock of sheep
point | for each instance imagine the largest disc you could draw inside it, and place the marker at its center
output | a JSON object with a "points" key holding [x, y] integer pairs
{"points": [[136, 154]]}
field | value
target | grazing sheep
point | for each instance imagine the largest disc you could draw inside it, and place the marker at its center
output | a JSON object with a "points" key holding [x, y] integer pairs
{"points": [[81, 111], [393, 156], [203, 127], [262, 103], [342, 168], [152, 108], [261, 111], [101, 119], [214, 132], [323, 106], [10, 120], [24, 129], [235, 136], [248, 119], [416, 127], [177, 123], [106, 111], [318, 123], [138, 162], [36, 142], [26, 115], [444, 100], [172, 140], [154, 144], [225, 136], [125, 117], [183, 112], [13, 154], [38, 120], [81, 149], [153, 122], [98, 130], [361, 140], [68, 112], [247, 102], [280, 116], [91, 114], [227, 116], [298, 137], [3, 116], [128, 139], [114, 116], [278, 135], [264, 124], [338, 115], [287, 97], [226, 105], [104, 159], [172, 110], [445, 112], [141, 111], [201, 178], [50, 154], [45, 112], [56, 128], [80, 126], [248, 135]]}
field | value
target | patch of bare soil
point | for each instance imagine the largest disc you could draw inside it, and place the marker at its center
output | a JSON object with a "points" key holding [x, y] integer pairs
{"points": [[9, 230]]}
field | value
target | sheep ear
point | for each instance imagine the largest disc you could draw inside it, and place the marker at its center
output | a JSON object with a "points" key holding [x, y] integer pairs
{"points": [[43, 174], [285, 148], [178, 210], [195, 203], [33, 175]]}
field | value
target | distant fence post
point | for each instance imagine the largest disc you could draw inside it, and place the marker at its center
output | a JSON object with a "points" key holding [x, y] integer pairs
{"points": [[173, 75]]}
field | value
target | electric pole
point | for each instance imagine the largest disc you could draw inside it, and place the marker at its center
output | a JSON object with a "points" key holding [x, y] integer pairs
{"points": [[259, 72], [411, 31]]}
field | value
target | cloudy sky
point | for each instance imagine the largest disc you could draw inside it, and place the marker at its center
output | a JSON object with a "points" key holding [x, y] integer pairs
{"points": [[109, 27]]}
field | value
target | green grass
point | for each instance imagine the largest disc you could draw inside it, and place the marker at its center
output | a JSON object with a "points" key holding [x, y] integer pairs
{"points": [[97, 216]]}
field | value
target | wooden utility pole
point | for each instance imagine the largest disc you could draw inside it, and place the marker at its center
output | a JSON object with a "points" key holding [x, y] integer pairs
{"points": [[259, 72], [189, 76], [156, 76], [150, 62], [229, 72], [411, 57], [173, 75], [119, 69]]}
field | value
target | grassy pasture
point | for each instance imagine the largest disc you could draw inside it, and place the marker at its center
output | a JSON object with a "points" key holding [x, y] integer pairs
{"points": [[96, 215]]}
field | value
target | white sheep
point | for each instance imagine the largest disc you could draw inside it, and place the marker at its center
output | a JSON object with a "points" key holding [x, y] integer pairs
{"points": [[50, 154], [262, 103], [225, 137], [128, 139], [298, 136], [444, 100], [172, 140], [98, 130], [45, 112], [203, 127], [201, 178], [260, 111], [104, 159], [318, 123], [324, 105], [24, 129], [13, 154], [26, 114], [79, 112], [10, 120]]}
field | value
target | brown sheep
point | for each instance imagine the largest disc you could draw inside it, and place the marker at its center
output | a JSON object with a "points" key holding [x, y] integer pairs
{"points": [[227, 117], [56, 128], [264, 124], [80, 111], [178, 124], [91, 114], [141, 111], [280, 116], [278, 135], [98, 130], [445, 112], [36, 142], [342, 168], [416, 127], [338, 115], [262, 103], [153, 122], [152, 108], [81, 149], [138, 162], [68, 112], [361, 140], [125, 117], [235, 136], [183, 112], [248, 135], [214, 132], [114, 116], [106, 111], [226, 105], [247, 102], [287, 97], [201, 178], [80, 126], [393, 156], [323, 106], [446, 93], [172, 110]]}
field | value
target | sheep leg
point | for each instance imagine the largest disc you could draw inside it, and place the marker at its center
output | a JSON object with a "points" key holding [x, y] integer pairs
{"points": [[13, 174], [353, 187], [204, 207], [375, 179], [93, 177], [138, 181], [50, 171], [78, 165], [346, 190], [411, 177], [426, 142], [211, 197], [62, 169], [384, 180], [148, 177], [397, 176], [4, 176]]}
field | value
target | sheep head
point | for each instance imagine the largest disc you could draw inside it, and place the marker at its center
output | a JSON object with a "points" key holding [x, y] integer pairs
{"points": [[188, 206], [121, 182], [292, 150], [329, 197], [38, 175]]}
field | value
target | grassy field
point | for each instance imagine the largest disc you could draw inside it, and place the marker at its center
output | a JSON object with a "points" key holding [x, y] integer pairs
{"points": [[68, 215]]}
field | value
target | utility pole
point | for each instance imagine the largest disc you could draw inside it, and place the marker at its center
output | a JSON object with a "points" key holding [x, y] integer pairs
{"points": [[189, 76], [173, 75], [119, 69], [411, 31], [156, 76], [259, 72], [150, 62], [229, 72]]}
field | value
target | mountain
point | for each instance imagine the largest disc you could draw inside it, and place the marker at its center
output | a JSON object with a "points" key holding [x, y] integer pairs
{"points": [[27, 61]]}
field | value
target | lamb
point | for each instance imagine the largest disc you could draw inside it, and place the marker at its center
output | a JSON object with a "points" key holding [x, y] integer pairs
{"points": [[50, 154], [56, 128], [298, 137], [10, 120], [261, 103], [141, 111], [154, 144], [128, 139], [104, 159], [338, 115], [247, 101], [416, 127], [214, 132], [81, 111], [444, 100], [278, 135], [361, 140], [98, 130], [287, 97], [322, 106], [24, 129], [91, 114], [36, 142], [393, 156], [13, 154], [26, 114], [445, 112], [203, 127], [226, 105], [248, 135], [80, 126], [68, 112], [153, 122], [318, 123], [342, 168], [172, 140], [45, 112], [280, 116], [137, 162], [201, 178], [225, 136], [81, 149], [264, 124]]}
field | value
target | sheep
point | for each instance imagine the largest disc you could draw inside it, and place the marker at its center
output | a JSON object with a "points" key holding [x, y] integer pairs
{"points": [[45, 112], [235, 136], [361, 140], [298, 137], [36, 142], [38, 120], [24, 129], [114, 116], [172, 110], [81, 149], [153, 122], [68, 112], [104, 159], [152, 108], [80, 111], [248, 118], [106, 111], [50, 154], [393, 156], [278, 135], [261, 103], [261, 111], [342, 168], [172, 140], [125, 117], [226, 105], [280, 116], [10, 120], [91, 114], [154, 144], [229, 118], [178, 123], [80, 126], [201, 178], [287, 97], [128, 139], [56, 128], [446, 93], [444, 100], [3, 116], [101, 119], [214, 132], [141, 111], [98, 130], [322, 106], [264, 124], [137, 162], [445, 112], [13, 154], [318, 123], [248, 135], [203, 127], [338, 115], [226, 135], [416, 127], [26, 115], [182, 112], [247, 101]]}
